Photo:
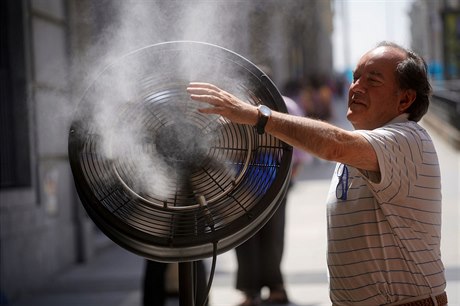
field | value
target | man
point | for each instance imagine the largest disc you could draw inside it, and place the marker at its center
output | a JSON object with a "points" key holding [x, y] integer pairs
{"points": [[384, 207]]}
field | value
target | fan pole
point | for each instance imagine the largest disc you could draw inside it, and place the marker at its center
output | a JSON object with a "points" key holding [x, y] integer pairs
{"points": [[186, 284]]}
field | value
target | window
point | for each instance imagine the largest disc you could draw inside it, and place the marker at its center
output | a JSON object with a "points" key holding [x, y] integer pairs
{"points": [[14, 124]]}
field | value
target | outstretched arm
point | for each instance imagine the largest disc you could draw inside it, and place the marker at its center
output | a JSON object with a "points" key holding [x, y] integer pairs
{"points": [[316, 137]]}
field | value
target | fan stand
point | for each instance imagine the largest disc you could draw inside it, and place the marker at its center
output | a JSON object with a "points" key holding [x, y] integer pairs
{"points": [[187, 284]]}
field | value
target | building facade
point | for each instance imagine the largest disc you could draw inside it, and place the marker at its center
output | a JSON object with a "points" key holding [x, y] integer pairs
{"points": [[435, 29]]}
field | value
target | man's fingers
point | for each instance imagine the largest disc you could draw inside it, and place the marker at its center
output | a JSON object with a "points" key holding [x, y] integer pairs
{"points": [[203, 90], [213, 95], [197, 85], [213, 100]]}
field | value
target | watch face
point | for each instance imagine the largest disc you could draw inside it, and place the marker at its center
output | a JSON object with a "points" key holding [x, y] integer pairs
{"points": [[265, 111]]}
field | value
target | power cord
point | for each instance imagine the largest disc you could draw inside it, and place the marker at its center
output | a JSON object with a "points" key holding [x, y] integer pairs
{"points": [[211, 274], [210, 222]]}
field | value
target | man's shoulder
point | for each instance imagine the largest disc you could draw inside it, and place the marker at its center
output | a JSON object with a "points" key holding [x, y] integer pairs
{"points": [[400, 128]]}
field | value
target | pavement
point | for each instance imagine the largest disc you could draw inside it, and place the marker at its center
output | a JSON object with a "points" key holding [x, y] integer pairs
{"points": [[114, 276]]}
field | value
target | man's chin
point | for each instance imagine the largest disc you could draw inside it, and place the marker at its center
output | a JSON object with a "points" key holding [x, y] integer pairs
{"points": [[350, 115], [352, 118]]}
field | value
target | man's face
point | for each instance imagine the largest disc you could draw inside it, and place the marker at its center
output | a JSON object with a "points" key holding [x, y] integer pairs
{"points": [[374, 97]]}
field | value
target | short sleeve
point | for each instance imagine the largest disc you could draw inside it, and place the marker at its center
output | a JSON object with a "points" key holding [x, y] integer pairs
{"points": [[398, 150]]}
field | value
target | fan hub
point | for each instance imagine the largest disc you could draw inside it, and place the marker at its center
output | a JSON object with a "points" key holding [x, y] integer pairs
{"points": [[182, 145]]}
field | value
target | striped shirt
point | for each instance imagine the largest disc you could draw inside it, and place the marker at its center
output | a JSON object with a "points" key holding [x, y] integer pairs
{"points": [[384, 239]]}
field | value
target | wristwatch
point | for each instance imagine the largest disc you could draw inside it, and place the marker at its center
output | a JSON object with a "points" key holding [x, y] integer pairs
{"points": [[264, 114]]}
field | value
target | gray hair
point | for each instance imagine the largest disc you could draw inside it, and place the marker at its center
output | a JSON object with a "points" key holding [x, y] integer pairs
{"points": [[411, 73]]}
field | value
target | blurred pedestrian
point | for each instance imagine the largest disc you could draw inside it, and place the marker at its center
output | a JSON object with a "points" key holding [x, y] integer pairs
{"points": [[259, 258], [321, 98], [384, 205]]}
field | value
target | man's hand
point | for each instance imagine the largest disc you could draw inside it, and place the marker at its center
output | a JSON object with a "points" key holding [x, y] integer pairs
{"points": [[223, 103]]}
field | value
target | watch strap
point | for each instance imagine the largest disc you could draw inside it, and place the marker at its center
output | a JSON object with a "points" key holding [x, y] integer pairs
{"points": [[261, 123]]}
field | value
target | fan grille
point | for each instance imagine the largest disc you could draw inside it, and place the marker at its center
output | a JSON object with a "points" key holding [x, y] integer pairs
{"points": [[164, 180]]}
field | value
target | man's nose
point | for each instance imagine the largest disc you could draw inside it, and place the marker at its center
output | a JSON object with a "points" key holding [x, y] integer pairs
{"points": [[358, 86]]}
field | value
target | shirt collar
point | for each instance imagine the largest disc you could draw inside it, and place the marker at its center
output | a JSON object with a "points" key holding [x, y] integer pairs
{"points": [[404, 117]]}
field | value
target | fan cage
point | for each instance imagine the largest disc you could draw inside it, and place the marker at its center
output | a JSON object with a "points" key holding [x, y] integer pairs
{"points": [[223, 180]]}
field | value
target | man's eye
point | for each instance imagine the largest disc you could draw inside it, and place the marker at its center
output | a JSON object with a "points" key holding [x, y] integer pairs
{"points": [[375, 81]]}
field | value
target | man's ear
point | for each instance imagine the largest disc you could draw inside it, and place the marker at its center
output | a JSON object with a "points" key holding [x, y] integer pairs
{"points": [[407, 98]]}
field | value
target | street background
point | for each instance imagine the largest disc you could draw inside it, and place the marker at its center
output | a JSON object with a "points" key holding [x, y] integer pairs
{"points": [[52, 253]]}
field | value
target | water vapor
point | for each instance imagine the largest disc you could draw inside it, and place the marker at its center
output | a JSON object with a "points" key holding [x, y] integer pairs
{"points": [[118, 90]]}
